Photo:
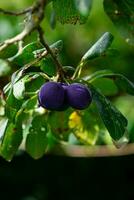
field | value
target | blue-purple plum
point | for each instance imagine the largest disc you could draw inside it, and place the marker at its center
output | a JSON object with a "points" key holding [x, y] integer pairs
{"points": [[51, 96], [65, 104], [78, 96]]}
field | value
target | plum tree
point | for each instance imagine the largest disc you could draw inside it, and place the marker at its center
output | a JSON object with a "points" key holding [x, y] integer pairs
{"points": [[42, 76]]}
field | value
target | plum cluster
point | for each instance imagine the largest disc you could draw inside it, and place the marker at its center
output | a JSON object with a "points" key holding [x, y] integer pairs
{"points": [[59, 96]]}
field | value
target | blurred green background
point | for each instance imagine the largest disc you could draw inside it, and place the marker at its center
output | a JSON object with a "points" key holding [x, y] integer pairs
{"points": [[77, 40]]}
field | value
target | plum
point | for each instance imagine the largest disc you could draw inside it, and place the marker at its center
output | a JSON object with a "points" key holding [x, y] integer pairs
{"points": [[65, 104], [59, 96], [51, 96], [78, 96]]}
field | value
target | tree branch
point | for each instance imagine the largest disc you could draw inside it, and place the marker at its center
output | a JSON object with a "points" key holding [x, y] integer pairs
{"points": [[50, 51], [34, 18], [17, 13]]}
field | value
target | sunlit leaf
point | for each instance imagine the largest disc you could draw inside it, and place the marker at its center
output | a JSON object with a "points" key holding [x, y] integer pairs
{"points": [[56, 48], [4, 68], [18, 89], [3, 125], [26, 55], [99, 48], [84, 126]]}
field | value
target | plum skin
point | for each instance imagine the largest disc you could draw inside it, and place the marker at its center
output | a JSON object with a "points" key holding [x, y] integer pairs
{"points": [[59, 96], [51, 96], [65, 104], [78, 96]]}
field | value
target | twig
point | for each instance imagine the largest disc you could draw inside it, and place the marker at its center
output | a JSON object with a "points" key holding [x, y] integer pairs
{"points": [[50, 51], [17, 13], [77, 71], [33, 20], [44, 54]]}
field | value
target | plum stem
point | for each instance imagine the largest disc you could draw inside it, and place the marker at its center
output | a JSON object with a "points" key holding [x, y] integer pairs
{"points": [[49, 50], [77, 72]]}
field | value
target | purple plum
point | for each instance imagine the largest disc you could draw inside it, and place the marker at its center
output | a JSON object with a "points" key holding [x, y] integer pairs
{"points": [[51, 96], [78, 96]]}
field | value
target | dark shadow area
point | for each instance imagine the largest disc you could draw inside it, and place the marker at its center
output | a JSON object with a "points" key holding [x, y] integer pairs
{"points": [[67, 178]]}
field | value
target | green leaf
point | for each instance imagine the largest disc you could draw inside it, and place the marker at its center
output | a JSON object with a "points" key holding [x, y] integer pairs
{"points": [[31, 103], [123, 83], [97, 74], [4, 68], [113, 119], [18, 89], [56, 47], [3, 125], [16, 76], [106, 86], [36, 141], [99, 48], [12, 101], [69, 70], [11, 141], [26, 55], [34, 83], [48, 66], [2, 104], [53, 20], [85, 125], [123, 141], [8, 52], [58, 122], [83, 6], [121, 13], [72, 11], [12, 106]]}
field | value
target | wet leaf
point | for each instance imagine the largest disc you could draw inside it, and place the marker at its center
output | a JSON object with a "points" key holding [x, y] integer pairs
{"points": [[11, 141], [113, 119], [36, 141], [99, 48]]}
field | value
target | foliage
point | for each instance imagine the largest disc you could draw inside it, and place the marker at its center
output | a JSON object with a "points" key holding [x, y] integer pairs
{"points": [[23, 122]]}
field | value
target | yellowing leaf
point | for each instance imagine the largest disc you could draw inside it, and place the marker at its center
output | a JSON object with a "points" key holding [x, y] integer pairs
{"points": [[74, 120], [84, 135]]}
